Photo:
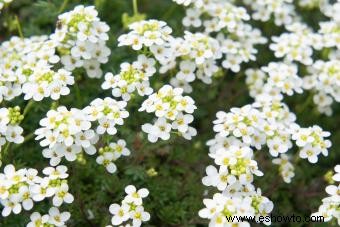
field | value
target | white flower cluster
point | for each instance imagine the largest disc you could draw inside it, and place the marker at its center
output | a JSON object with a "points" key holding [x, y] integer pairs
{"points": [[257, 125], [221, 14], [109, 154], [81, 38], [274, 79], [146, 34], [263, 123], [312, 142], [199, 53], [26, 67], [297, 44], [173, 112], [236, 39], [283, 11], [272, 124], [21, 188], [236, 201], [131, 208], [131, 77], [324, 79], [108, 113], [68, 132], [65, 133], [330, 29], [10, 129], [53, 218], [196, 55], [330, 207]]}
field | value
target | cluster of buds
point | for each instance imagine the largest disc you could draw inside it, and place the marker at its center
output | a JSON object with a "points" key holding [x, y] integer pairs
{"points": [[10, 130]]}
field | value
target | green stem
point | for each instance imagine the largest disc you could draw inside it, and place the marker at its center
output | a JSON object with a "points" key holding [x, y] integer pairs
{"points": [[135, 7], [17, 22], [28, 107], [306, 103], [28, 137], [4, 152], [168, 14], [78, 94], [63, 6]]}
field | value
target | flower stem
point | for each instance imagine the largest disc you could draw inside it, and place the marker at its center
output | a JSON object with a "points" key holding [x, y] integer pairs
{"points": [[4, 152], [306, 104], [135, 7], [63, 6], [28, 107], [17, 22], [169, 12], [28, 137]]}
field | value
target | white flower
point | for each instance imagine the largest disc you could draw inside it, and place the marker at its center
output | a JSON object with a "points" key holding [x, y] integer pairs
{"points": [[134, 196], [62, 195], [310, 153], [13, 134], [139, 215], [120, 213], [56, 218], [37, 220], [161, 129], [131, 208], [107, 160], [336, 176]]}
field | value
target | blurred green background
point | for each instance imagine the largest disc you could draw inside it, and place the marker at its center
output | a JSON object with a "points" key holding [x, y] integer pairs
{"points": [[176, 192]]}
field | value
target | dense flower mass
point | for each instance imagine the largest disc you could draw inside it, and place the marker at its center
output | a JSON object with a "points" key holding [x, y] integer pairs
{"points": [[274, 79], [173, 112], [131, 209], [81, 38], [21, 188], [235, 37], [283, 11], [132, 77], [26, 67], [238, 133], [324, 80], [146, 33], [66, 133]]}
